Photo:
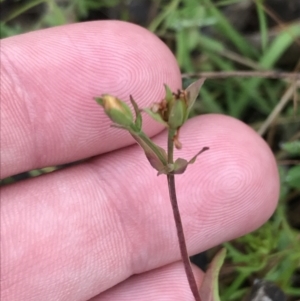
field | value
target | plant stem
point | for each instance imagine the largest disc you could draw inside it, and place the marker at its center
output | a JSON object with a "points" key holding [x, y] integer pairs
{"points": [[177, 218]]}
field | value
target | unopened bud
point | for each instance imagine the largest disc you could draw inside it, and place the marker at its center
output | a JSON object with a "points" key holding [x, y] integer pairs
{"points": [[117, 110], [177, 114], [180, 106]]}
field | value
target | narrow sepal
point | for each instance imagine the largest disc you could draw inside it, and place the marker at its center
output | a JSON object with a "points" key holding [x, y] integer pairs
{"points": [[180, 165], [192, 92], [169, 94], [99, 100], [200, 152], [156, 116], [138, 115]]}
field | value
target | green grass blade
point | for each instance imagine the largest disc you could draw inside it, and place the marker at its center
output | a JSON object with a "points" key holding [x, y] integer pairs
{"points": [[228, 30], [162, 16], [22, 9], [279, 46], [263, 26]]}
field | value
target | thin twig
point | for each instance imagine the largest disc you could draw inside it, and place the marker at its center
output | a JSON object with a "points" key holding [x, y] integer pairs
{"points": [[237, 58], [281, 104], [178, 222], [226, 74], [289, 162], [282, 24]]}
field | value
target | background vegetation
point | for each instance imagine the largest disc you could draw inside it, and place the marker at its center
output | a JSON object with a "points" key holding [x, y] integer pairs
{"points": [[218, 37]]}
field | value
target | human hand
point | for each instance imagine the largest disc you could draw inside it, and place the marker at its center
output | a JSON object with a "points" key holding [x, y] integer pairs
{"points": [[104, 229]]}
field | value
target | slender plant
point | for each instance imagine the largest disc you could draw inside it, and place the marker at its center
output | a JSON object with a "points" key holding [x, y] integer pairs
{"points": [[172, 111]]}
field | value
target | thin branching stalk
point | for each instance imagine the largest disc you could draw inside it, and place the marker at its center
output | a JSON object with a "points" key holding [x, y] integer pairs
{"points": [[179, 227], [274, 74], [172, 111]]}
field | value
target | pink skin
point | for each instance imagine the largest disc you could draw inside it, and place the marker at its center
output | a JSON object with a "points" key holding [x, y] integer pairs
{"points": [[83, 232]]}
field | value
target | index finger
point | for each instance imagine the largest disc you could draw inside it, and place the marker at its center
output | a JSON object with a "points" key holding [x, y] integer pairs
{"points": [[49, 79]]}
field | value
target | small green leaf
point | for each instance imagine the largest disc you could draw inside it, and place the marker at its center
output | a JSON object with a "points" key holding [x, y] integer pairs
{"points": [[209, 290], [180, 166], [169, 94], [292, 148], [138, 118], [156, 116], [192, 92], [200, 152], [293, 177]]}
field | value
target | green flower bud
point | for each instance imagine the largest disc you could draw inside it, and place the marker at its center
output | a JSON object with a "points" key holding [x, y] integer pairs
{"points": [[180, 105], [177, 113], [117, 110]]}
